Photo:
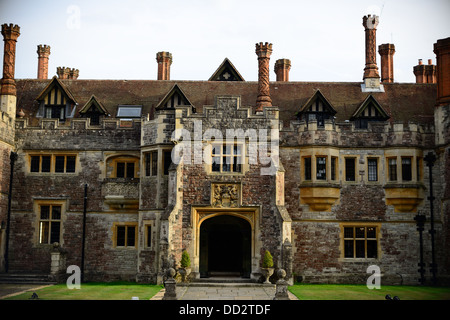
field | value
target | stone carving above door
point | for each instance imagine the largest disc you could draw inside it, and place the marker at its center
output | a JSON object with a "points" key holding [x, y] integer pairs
{"points": [[225, 195]]}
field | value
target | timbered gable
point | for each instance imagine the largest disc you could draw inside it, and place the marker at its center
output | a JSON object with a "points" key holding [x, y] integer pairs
{"points": [[226, 72]]}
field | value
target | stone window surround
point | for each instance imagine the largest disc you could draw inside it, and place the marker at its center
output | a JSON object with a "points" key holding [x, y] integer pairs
{"points": [[343, 225], [127, 225], [52, 163], [37, 204]]}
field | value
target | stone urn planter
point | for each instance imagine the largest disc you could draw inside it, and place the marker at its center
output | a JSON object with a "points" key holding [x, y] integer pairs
{"points": [[184, 272], [267, 273], [267, 266]]}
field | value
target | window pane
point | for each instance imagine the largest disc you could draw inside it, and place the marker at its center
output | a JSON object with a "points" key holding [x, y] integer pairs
{"points": [[360, 232], [321, 165], [348, 248], [237, 150], [237, 164], [121, 236], [216, 164], [154, 163], [167, 161], [120, 170], [130, 170], [371, 232], [371, 248], [149, 236], [70, 164], [45, 212], [56, 212], [43, 231], [333, 168], [34, 166], [59, 164], [406, 169], [54, 232], [350, 169], [307, 168], [46, 163], [348, 232], [372, 168], [131, 236], [147, 164], [393, 169], [359, 247], [226, 165]]}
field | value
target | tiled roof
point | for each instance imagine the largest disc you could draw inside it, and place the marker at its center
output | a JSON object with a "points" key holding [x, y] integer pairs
{"points": [[402, 101]]}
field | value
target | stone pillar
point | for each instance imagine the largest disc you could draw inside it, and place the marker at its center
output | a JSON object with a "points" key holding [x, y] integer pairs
{"points": [[281, 286], [263, 51], [164, 60], [170, 285], [43, 52], [371, 76], [282, 67], [387, 51], [442, 51]]}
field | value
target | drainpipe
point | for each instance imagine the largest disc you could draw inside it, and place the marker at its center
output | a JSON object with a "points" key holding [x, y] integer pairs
{"points": [[84, 232], [12, 158]]}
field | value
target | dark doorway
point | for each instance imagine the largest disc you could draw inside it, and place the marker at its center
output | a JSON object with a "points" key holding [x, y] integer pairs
{"points": [[225, 246]]}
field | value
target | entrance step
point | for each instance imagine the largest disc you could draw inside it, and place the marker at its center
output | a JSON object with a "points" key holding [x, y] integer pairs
{"points": [[22, 278]]}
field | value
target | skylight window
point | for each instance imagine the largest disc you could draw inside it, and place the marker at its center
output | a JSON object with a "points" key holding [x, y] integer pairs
{"points": [[129, 111]]}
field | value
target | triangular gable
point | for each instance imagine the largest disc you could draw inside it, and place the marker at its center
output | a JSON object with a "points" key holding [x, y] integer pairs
{"points": [[93, 101], [370, 108], [226, 72], [175, 97], [326, 105], [47, 96]]}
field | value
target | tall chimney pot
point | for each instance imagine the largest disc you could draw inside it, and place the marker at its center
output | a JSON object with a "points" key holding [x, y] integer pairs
{"points": [[43, 52], [387, 52], [371, 76], [282, 67], [10, 34], [442, 51], [263, 51], [164, 60]]}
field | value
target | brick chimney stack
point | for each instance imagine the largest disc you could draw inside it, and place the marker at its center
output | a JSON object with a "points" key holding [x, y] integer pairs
{"points": [[282, 67], [67, 73], [164, 60], [371, 76], [425, 73], [10, 34], [442, 51], [387, 51], [43, 52], [263, 51]]}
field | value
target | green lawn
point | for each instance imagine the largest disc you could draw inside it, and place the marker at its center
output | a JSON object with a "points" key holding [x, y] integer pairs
{"points": [[361, 292], [94, 291]]}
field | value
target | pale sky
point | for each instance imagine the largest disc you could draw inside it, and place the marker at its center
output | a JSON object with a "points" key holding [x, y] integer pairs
{"points": [[323, 39]]}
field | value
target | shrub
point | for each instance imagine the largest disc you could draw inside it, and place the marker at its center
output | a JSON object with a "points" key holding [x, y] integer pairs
{"points": [[185, 260], [267, 260]]}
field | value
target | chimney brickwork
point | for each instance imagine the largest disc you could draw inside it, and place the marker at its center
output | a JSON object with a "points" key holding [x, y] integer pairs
{"points": [[43, 52], [425, 73], [164, 60], [442, 51], [67, 73], [10, 34], [282, 68], [263, 51], [387, 52], [371, 76]]}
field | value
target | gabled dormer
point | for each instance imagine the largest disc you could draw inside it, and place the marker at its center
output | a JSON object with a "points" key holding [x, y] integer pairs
{"points": [[317, 108], [175, 97], [56, 101], [368, 111], [94, 110], [226, 72]]}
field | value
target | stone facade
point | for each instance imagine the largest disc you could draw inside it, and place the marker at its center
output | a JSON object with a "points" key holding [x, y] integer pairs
{"points": [[328, 177]]}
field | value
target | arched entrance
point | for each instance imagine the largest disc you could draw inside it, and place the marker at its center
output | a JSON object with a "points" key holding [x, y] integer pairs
{"points": [[225, 246]]}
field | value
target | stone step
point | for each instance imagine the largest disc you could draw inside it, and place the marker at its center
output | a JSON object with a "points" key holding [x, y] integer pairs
{"points": [[22, 278]]}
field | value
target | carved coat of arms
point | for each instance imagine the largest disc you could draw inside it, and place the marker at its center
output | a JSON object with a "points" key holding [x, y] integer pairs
{"points": [[225, 195]]}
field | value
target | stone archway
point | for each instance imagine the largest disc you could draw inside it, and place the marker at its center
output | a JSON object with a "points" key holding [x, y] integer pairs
{"points": [[225, 246]]}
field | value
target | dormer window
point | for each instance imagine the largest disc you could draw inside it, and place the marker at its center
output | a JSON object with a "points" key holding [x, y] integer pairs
{"points": [[369, 111], [56, 102], [317, 108], [94, 110]]}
